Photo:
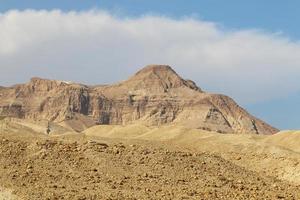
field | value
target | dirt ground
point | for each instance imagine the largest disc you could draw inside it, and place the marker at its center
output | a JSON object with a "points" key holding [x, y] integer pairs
{"points": [[84, 167]]}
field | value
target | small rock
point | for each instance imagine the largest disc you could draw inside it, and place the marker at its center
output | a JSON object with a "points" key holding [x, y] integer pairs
{"points": [[238, 158], [29, 167]]}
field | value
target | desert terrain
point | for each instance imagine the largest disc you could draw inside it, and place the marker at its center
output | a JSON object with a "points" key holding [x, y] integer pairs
{"points": [[140, 162], [152, 136]]}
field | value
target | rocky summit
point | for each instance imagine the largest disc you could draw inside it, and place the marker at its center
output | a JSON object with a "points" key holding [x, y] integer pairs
{"points": [[155, 95]]}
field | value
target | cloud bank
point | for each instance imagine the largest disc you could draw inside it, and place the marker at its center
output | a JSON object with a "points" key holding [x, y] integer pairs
{"points": [[96, 47]]}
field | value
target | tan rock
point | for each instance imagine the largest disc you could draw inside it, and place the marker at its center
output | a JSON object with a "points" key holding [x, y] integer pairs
{"points": [[155, 95]]}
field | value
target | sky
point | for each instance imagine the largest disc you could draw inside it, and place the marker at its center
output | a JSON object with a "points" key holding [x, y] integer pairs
{"points": [[249, 50]]}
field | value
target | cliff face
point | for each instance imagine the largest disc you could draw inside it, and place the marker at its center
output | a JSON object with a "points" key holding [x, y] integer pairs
{"points": [[155, 95]]}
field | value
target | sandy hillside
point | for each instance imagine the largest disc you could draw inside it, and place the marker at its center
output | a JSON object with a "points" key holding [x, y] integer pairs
{"points": [[286, 139], [140, 162], [276, 155], [81, 167]]}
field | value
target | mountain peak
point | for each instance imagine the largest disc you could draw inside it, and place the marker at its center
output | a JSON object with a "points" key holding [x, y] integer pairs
{"points": [[155, 95], [158, 78], [156, 69]]}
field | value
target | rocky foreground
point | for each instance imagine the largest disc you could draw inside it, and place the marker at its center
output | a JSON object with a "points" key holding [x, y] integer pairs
{"points": [[81, 167]]}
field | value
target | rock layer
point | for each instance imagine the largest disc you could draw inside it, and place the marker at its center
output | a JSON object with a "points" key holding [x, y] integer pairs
{"points": [[155, 95]]}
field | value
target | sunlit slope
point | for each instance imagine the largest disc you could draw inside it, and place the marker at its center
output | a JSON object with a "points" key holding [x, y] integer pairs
{"points": [[286, 139], [26, 126], [117, 131], [276, 155], [191, 138]]}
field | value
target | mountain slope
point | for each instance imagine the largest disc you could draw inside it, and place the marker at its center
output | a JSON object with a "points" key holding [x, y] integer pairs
{"points": [[155, 95]]}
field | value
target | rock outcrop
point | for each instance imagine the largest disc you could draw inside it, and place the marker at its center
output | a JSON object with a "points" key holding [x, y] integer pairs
{"points": [[155, 95]]}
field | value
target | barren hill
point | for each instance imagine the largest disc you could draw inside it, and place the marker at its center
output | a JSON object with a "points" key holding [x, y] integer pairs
{"points": [[155, 95], [44, 167], [166, 162]]}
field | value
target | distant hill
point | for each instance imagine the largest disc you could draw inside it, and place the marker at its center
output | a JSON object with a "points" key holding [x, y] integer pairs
{"points": [[154, 96]]}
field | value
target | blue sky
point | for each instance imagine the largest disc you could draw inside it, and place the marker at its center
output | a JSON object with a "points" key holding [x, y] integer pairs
{"points": [[270, 18], [268, 14]]}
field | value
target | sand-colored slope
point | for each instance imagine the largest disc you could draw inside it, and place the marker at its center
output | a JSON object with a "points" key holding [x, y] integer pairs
{"points": [[82, 167], [178, 134], [166, 161], [272, 155], [276, 155], [117, 131], [26, 127], [286, 139], [190, 138], [288, 142], [7, 195]]}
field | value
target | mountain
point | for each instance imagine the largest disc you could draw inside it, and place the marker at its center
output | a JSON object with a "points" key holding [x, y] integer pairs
{"points": [[155, 95]]}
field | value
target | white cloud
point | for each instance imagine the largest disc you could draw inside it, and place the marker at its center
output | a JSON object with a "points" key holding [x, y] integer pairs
{"points": [[97, 47]]}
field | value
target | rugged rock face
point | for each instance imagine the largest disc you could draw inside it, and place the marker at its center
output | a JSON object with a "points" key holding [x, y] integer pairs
{"points": [[155, 95]]}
